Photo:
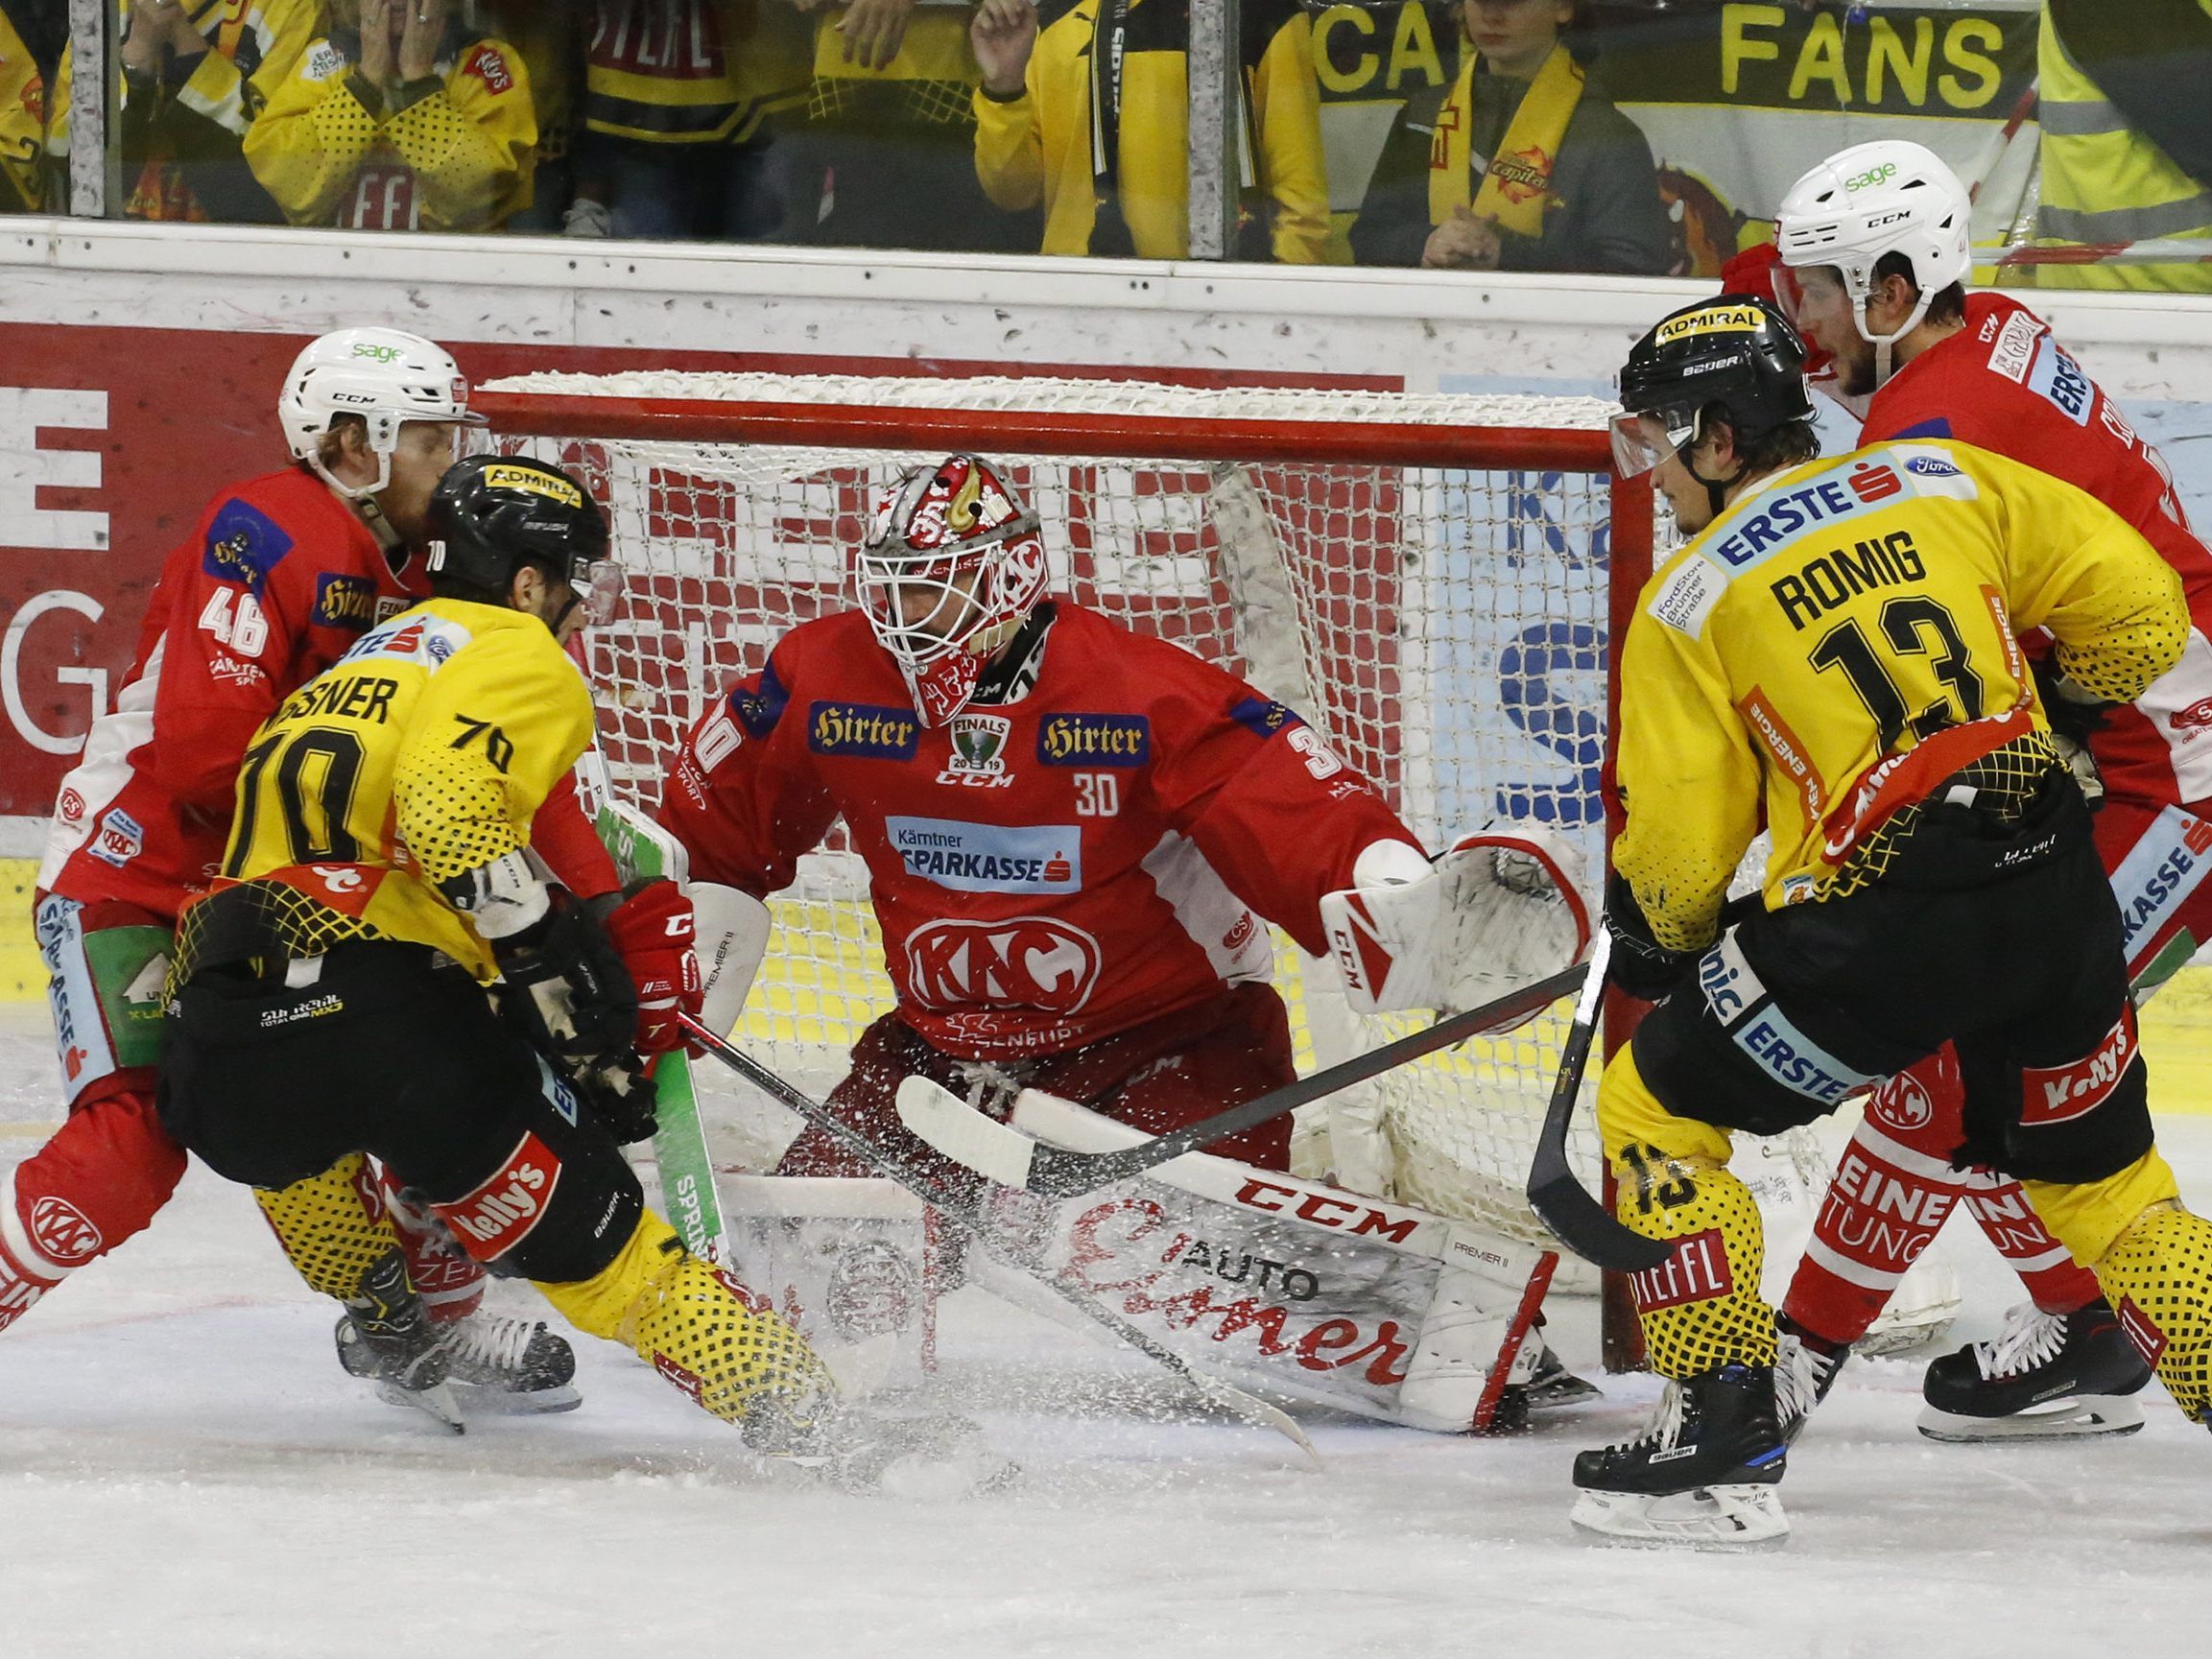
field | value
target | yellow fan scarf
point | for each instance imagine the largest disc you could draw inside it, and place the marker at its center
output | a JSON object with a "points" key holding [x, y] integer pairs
{"points": [[1517, 182]]}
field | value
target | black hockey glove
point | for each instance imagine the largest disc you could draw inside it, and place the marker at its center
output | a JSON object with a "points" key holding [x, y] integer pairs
{"points": [[2074, 717], [619, 1095], [566, 988], [1642, 967]]}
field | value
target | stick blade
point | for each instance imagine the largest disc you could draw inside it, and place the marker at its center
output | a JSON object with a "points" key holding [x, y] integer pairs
{"points": [[952, 1126], [1581, 1222]]}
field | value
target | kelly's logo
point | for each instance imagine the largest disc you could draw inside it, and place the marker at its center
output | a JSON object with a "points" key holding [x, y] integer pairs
{"points": [[1119, 739], [862, 731]]}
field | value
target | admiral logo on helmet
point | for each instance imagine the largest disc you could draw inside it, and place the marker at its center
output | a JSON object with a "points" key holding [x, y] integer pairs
{"points": [[1712, 319]]}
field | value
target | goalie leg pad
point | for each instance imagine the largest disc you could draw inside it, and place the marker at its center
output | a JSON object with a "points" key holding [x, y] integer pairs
{"points": [[1300, 1288], [705, 1332], [850, 1262], [1701, 1308]]}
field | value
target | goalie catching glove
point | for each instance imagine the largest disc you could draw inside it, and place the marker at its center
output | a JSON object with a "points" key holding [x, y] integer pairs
{"points": [[1496, 911]]}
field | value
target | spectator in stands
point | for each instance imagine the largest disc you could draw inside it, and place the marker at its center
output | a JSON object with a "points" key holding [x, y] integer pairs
{"points": [[677, 95], [2126, 154], [399, 118], [194, 77], [551, 38], [886, 156], [1521, 164], [34, 34], [1122, 186]]}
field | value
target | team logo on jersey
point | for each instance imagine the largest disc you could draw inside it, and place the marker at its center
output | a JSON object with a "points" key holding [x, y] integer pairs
{"points": [[1266, 717], [758, 710], [978, 751], [863, 731], [1023, 962], [973, 857], [1117, 739], [347, 602], [1902, 1102], [118, 838], [62, 1232], [244, 545]]}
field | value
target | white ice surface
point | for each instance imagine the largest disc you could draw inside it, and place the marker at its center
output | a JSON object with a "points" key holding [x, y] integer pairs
{"points": [[185, 1473]]}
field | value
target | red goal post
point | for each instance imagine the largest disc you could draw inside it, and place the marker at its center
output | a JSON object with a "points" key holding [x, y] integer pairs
{"points": [[1432, 579]]}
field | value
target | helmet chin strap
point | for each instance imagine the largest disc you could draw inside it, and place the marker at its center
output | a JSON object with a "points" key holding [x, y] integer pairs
{"points": [[1884, 343]]}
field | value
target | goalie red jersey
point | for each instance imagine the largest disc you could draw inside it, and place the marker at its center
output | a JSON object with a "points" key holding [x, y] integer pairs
{"points": [[2002, 383], [1081, 855]]}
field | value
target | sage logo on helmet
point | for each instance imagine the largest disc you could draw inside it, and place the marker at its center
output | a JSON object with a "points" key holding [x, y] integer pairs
{"points": [[490, 515], [952, 566], [1739, 354], [1888, 197], [384, 377]]}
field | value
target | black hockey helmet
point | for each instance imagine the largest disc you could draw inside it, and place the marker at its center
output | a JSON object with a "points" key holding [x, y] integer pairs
{"points": [[1740, 354], [491, 514]]}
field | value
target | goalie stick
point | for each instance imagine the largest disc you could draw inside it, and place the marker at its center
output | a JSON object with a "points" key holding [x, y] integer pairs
{"points": [[1561, 1201], [1234, 1399], [1003, 1154]]}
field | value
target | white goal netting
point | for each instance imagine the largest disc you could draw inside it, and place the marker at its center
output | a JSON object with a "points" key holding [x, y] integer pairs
{"points": [[1443, 625]]}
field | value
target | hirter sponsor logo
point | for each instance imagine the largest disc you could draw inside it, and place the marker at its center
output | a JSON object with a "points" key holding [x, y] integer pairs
{"points": [[1697, 1271], [2148, 1339], [1112, 740], [862, 731], [2059, 1094], [1024, 962], [62, 1233], [347, 602], [500, 1214], [244, 545]]}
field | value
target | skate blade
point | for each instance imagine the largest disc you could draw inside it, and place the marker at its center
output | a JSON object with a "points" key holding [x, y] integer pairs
{"points": [[2077, 1418], [1563, 1388], [490, 1400], [436, 1404], [1736, 1517]]}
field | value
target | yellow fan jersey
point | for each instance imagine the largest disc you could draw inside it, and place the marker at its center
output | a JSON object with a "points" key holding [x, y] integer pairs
{"points": [[1843, 640], [423, 753]]}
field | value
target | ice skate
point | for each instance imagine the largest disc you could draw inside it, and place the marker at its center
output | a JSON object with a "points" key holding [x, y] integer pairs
{"points": [[1803, 1375], [870, 1449], [1553, 1385], [394, 1345], [493, 1365], [2047, 1376], [1703, 1475]]}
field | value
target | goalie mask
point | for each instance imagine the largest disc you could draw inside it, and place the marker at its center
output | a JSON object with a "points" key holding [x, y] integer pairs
{"points": [[491, 514], [952, 566]]}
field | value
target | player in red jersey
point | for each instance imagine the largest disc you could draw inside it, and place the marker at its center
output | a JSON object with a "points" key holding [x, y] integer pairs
{"points": [[1073, 833], [281, 576], [1873, 257]]}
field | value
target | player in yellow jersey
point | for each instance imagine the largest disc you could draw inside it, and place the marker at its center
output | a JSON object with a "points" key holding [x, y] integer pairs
{"points": [[379, 875], [1835, 656]]}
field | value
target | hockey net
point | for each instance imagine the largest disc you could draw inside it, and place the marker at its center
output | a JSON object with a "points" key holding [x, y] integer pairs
{"points": [[1431, 580]]}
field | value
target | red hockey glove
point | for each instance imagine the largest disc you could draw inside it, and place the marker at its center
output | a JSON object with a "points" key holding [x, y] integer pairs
{"points": [[652, 927]]}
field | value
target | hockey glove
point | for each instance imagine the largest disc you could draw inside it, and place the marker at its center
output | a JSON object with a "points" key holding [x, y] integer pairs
{"points": [[618, 1093], [1642, 967], [653, 928], [2074, 717], [566, 986]]}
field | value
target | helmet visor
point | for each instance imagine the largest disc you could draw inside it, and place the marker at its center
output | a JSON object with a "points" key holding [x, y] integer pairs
{"points": [[1641, 441], [600, 582]]}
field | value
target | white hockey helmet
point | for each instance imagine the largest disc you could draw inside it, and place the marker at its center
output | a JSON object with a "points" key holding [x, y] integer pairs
{"points": [[1888, 197], [383, 375]]}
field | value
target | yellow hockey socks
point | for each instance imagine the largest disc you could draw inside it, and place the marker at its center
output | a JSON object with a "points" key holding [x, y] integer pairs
{"points": [[333, 1233], [696, 1326]]}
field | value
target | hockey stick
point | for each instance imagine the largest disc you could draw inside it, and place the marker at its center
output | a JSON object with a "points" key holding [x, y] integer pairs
{"points": [[1004, 1154], [1562, 1202], [1247, 1407], [641, 848]]}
